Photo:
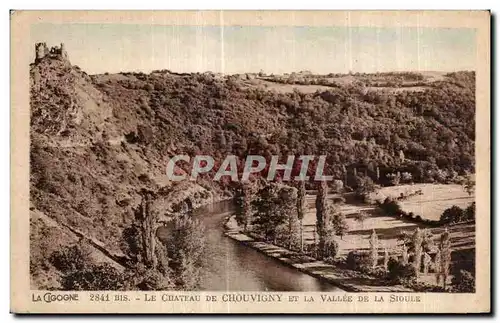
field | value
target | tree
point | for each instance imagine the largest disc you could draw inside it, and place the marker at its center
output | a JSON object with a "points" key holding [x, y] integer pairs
{"points": [[445, 248], [244, 197], [132, 243], [391, 207], [142, 278], [401, 156], [358, 260], [274, 208], [406, 177], [322, 216], [427, 241], [364, 186], [339, 221], [185, 248], [452, 215], [338, 186], [93, 277], [441, 175], [290, 196], [374, 249], [386, 259], [437, 266], [79, 273], [469, 184], [427, 263], [360, 217], [464, 282], [395, 178], [330, 250], [147, 223], [417, 250], [470, 212], [400, 272], [301, 210], [405, 255], [69, 258]]}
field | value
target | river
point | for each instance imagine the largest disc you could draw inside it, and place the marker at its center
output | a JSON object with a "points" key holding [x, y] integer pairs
{"points": [[231, 266]]}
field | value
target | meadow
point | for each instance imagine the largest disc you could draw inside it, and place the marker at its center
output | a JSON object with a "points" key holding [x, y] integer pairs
{"points": [[435, 199]]}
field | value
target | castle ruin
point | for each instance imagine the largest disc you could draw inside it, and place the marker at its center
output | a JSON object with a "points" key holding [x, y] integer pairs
{"points": [[41, 51]]}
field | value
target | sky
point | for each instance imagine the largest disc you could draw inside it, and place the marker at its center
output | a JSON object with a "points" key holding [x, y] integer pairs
{"points": [[99, 48]]}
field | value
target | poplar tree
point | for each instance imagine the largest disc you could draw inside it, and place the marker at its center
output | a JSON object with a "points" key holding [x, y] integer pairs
{"points": [[437, 266], [322, 215], [301, 211], [374, 248], [427, 262], [148, 223], [417, 250], [339, 221], [360, 217], [386, 259], [405, 255], [244, 198], [445, 247]]}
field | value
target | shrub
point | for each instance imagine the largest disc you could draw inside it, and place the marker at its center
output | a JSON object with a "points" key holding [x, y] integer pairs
{"points": [[330, 250], [131, 242], [470, 212], [391, 207], [141, 277], [377, 272], [424, 287], [452, 215], [131, 137], [185, 249], [398, 272], [406, 216], [464, 282], [364, 186], [310, 249], [68, 259], [358, 260], [97, 277]]}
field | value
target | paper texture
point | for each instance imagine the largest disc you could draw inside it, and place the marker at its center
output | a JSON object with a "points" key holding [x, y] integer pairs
{"points": [[147, 146]]}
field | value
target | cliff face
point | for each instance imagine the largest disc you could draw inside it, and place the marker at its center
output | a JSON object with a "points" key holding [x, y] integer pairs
{"points": [[85, 177]]}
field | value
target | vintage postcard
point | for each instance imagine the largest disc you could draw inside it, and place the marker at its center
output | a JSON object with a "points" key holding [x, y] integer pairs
{"points": [[250, 162]]}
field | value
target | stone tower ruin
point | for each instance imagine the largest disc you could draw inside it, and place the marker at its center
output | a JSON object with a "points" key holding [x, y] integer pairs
{"points": [[42, 51]]}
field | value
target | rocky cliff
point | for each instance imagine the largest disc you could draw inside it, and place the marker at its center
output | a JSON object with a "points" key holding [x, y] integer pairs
{"points": [[86, 178]]}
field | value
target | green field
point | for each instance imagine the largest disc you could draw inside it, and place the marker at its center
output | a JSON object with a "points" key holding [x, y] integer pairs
{"points": [[434, 200]]}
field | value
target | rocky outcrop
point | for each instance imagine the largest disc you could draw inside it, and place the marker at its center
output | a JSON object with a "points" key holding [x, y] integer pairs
{"points": [[85, 175]]}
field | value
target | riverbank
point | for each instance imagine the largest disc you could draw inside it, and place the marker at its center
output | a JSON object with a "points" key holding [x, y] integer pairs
{"points": [[348, 280], [233, 267]]}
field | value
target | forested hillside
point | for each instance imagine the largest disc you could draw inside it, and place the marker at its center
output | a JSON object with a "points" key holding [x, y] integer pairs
{"points": [[353, 126], [97, 141]]}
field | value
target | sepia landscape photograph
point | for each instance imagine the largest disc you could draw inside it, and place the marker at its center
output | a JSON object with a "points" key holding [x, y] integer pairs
{"points": [[252, 158]]}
